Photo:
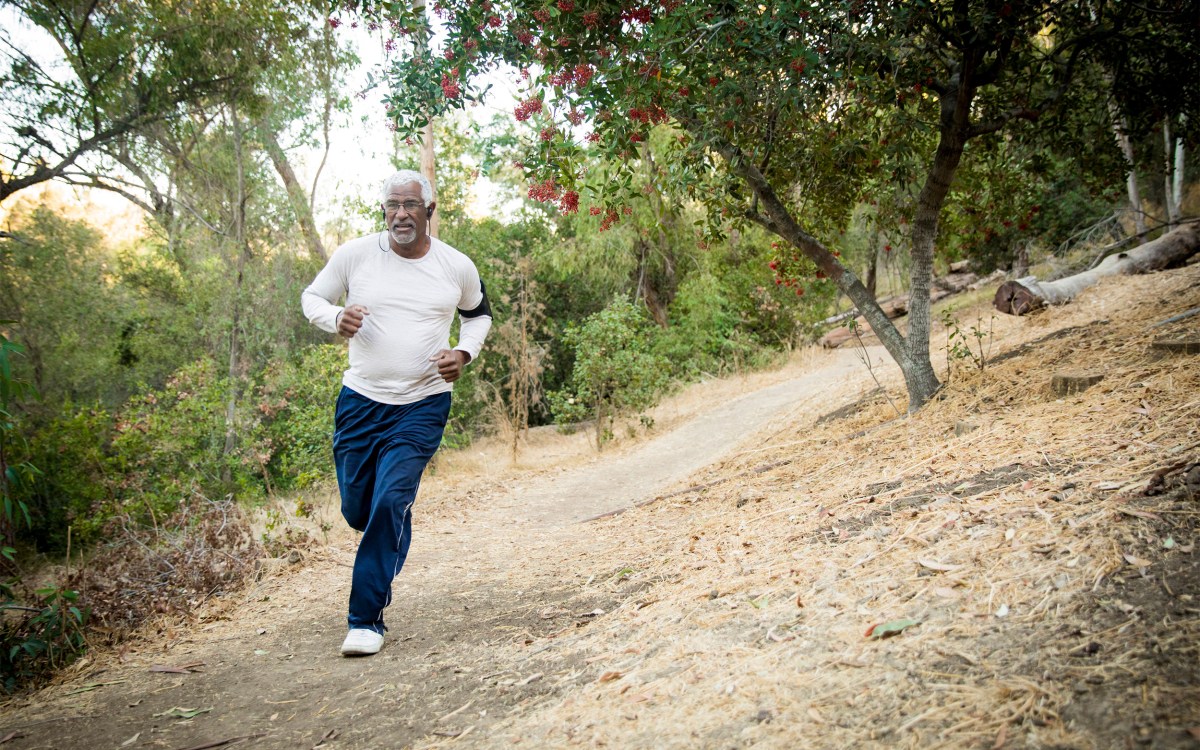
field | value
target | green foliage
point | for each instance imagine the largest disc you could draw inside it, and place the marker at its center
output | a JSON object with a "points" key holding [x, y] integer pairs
{"points": [[36, 640], [81, 77], [81, 478], [616, 371], [1013, 194], [15, 474], [296, 402], [33, 639], [65, 312], [973, 345], [170, 444]]}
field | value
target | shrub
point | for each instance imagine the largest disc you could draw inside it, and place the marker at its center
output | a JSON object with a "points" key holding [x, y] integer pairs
{"points": [[77, 484], [170, 444], [36, 640], [296, 404], [39, 636], [615, 373]]}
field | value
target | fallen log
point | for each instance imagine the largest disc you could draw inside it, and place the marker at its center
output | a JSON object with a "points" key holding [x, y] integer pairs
{"points": [[893, 308], [1027, 294]]}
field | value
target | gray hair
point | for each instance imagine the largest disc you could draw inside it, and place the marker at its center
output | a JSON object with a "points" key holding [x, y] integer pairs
{"points": [[405, 176]]}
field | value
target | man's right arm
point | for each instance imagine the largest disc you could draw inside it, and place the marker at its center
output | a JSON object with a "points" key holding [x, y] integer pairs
{"points": [[318, 300]]}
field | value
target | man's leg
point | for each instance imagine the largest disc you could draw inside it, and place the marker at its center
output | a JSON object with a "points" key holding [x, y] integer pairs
{"points": [[408, 437], [356, 435]]}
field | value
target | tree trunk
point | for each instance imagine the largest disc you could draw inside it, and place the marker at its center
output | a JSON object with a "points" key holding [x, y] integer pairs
{"points": [[1177, 185], [1172, 174], [295, 191], [873, 264], [953, 125], [241, 249], [428, 158], [1028, 294], [429, 169], [1120, 130]]}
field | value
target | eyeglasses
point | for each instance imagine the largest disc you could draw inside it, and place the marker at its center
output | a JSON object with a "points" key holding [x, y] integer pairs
{"points": [[410, 206]]}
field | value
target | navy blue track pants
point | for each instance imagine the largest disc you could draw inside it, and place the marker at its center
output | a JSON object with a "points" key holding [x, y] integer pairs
{"points": [[380, 451]]}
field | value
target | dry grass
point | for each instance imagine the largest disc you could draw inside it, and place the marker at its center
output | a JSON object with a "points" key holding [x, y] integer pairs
{"points": [[1051, 613]]}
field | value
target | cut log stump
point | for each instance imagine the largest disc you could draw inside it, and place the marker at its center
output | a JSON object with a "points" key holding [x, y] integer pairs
{"points": [[1176, 346], [1068, 385]]}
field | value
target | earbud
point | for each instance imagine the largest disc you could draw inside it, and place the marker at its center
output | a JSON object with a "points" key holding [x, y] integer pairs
{"points": [[383, 215], [429, 213]]}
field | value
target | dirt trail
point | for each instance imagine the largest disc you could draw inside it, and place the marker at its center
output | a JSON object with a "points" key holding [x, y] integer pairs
{"points": [[499, 569]]}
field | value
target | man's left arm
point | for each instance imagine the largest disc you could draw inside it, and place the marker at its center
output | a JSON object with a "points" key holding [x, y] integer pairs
{"points": [[475, 324], [476, 321]]}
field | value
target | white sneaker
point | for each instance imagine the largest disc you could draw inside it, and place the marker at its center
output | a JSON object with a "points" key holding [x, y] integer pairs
{"points": [[362, 642]]}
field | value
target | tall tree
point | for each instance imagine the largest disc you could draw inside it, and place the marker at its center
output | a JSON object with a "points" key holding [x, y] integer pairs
{"points": [[764, 92], [77, 77]]}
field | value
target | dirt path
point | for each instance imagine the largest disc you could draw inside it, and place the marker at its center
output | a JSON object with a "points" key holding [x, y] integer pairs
{"points": [[501, 568]]}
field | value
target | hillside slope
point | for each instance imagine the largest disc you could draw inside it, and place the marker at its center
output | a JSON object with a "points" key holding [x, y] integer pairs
{"points": [[1049, 602]]}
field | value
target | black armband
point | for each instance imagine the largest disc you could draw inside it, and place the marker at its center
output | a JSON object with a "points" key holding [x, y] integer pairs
{"points": [[483, 308]]}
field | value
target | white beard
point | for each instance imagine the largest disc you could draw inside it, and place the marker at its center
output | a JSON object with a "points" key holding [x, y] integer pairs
{"points": [[404, 236]]}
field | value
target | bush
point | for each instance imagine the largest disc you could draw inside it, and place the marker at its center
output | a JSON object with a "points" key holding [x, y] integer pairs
{"points": [[41, 636], [170, 444], [36, 640], [296, 403], [76, 487], [616, 371]]}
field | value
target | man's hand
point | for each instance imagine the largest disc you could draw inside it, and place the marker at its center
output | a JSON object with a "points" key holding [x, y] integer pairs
{"points": [[351, 320], [450, 363]]}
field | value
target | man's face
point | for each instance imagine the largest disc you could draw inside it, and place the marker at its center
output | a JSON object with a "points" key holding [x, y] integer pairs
{"points": [[406, 229]]}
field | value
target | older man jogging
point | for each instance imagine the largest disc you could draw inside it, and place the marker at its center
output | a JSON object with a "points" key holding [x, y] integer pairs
{"points": [[401, 289]]}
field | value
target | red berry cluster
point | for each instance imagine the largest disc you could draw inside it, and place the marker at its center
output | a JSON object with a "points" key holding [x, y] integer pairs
{"points": [[651, 115], [544, 192], [593, 137], [525, 37], [569, 203], [610, 217], [548, 191], [640, 15], [580, 76], [334, 22], [527, 109], [548, 133], [542, 16], [575, 116], [591, 19], [566, 6], [583, 74], [494, 21], [450, 88]]}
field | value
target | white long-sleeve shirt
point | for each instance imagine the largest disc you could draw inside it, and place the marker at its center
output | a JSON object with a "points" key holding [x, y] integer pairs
{"points": [[411, 304]]}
